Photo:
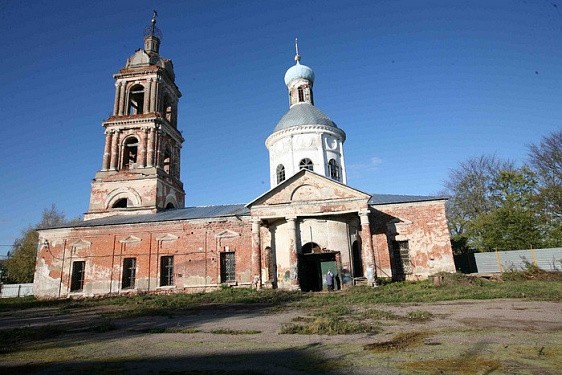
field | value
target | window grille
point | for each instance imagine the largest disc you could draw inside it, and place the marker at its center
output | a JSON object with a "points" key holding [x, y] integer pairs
{"points": [[306, 164], [280, 173], [167, 270], [228, 267]]}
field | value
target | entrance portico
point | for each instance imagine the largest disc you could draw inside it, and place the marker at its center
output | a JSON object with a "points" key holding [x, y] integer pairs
{"points": [[311, 223]]}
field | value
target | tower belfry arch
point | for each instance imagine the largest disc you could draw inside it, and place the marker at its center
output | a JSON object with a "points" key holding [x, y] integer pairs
{"points": [[141, 155]]}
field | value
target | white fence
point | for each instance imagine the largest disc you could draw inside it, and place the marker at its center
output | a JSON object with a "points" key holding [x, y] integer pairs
{"points": [[16, 290], [500, 261]]}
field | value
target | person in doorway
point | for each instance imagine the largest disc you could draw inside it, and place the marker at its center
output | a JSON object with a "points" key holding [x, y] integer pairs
{"points": [[330, 280]]}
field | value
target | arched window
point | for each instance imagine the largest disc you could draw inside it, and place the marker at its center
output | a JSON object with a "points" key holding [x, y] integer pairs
{"points": [[301, 94], [170, 206], [306, 163], [334, 170], [280, 173], [130, 152], [136, 100], [121, 203]]}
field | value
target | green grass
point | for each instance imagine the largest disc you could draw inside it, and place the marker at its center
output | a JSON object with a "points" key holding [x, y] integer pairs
{"points": [[533, 286]]}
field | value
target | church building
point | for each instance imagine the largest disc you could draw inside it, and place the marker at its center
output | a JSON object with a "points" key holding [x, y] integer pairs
{"points": [[138, 236]]}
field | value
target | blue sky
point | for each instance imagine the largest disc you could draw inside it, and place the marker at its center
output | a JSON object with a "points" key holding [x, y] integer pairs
{"points": [[418, 86]]}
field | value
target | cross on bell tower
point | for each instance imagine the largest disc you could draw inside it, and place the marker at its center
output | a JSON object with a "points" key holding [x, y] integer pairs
{"points": [[140, 171]]}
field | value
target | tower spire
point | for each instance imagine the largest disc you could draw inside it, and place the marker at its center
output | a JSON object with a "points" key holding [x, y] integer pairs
{"points": [[153, 21], [297, 56]]}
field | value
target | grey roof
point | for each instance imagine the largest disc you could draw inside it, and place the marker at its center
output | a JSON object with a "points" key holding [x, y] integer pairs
{"points": [[202, 212], [303, 114], [393, 198], [206, 212]]}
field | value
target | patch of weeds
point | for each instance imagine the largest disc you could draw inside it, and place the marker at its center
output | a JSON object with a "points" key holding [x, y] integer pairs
{"points": [[399, 342], [306, 319], [187, 330], [335, 310], [468, 364], [227, 331], [419, 316], [329, 326], [381, 315]]}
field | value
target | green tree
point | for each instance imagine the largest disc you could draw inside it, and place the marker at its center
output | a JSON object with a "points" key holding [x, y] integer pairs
{"points": [[513, 222], [20, 266], [470, 196], [545, 159]]}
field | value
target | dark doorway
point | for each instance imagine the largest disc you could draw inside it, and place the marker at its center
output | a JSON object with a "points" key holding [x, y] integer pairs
{"points": [[357, 261], [313, 268]]}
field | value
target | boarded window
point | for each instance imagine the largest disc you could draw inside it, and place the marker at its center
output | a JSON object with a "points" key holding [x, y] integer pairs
{"points": [[166, 271], [401, 265], [129, 273], [228, 267], [77, 280]]}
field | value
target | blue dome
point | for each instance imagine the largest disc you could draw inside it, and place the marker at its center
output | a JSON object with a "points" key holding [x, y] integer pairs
{"points": [[303, 114], [299, 71]]}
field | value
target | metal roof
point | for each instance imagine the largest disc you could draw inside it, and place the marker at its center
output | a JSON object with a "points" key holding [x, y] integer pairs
{"points": [[393, 198], [303, 114], [208, 212], [202, 212]]}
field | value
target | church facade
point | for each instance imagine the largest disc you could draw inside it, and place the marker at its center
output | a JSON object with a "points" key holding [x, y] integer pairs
{"points": [[138, 236]]}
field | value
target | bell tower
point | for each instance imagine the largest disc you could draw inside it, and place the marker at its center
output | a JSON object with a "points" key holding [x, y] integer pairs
{"points": [[140, 172]]}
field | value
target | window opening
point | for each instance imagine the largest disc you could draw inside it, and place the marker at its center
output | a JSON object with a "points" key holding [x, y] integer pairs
{"points": [[170, 206], [130, 153], [401, 259], [280, 173], [228, 267], [136, 100], [167, 162], [129, 272], [168, 109], [311, 248], [121, 203], [77, 280], [167, 270], [306, 164], [301, 94], [334, 170]]}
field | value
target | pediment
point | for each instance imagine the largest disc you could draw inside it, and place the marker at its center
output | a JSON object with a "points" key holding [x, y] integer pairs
{"points": [[81, 244], [130, 239], [227, 234], [307, 186], [167, 237]]}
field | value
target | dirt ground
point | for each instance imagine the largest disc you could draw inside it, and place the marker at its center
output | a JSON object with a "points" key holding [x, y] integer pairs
{"points": [[460, 337]]}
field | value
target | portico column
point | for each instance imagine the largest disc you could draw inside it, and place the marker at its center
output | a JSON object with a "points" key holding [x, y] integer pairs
{"points": [[367, 241], [256, 253], [293, 259]]}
